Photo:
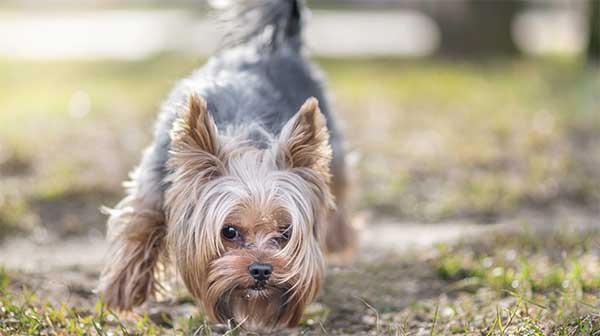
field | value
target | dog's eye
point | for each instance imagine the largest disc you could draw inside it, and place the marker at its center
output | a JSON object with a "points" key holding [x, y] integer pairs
{"points": [[286, 233], [230, 233]]}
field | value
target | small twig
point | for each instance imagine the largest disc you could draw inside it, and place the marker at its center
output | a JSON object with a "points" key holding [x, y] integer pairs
{"points": [[435, 316], [372, 309], [323, 328], [518, 296], [513, 314]]}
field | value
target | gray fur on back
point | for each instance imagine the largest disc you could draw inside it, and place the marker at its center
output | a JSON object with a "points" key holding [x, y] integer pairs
{"points": [[263, 77]]}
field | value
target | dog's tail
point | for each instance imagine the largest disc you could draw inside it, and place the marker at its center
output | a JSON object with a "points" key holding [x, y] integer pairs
{"points": [[269, 24]]}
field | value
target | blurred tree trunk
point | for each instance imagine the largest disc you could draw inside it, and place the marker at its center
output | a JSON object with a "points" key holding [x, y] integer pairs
{"points": [[486, 30], [594, 42], [476, 28]]}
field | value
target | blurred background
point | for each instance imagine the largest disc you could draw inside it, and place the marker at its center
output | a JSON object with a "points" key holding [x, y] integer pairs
{"points": [[452, 109], [460, 115]]}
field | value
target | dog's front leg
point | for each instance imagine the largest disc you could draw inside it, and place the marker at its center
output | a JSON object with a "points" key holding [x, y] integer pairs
{"points": [[136, 232]]}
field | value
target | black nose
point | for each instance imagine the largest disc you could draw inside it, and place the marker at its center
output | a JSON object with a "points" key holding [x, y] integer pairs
{"points": [[260, 271]]}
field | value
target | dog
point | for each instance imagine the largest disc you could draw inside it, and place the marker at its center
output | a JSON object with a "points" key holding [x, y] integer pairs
{"points": [[244, 189]]}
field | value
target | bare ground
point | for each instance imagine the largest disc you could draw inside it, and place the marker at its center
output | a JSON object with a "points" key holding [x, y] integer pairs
{"points": [[391, 273]]}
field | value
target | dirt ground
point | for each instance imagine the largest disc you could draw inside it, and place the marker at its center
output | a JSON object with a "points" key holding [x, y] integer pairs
{"points": [[391, 273]]}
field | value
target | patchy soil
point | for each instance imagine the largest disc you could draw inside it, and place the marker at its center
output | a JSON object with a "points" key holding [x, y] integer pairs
{"points": [[461, 281], [73, 213]]}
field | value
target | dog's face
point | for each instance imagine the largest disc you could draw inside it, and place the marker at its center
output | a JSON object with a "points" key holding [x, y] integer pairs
{"points": [[244, 223]]}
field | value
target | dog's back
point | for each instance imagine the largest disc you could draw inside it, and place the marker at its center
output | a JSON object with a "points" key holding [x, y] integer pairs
{"points": [[261, 76]]}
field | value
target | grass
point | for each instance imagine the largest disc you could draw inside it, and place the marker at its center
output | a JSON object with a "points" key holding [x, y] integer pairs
{"points": [[432, 140], [511, 284], [28, 317], [489, 287], [107, 106], [543, 278], [443, 140], [510, 268]]}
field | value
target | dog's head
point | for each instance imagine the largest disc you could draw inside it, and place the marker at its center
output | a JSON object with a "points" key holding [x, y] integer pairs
{"points": [[245, 223]]}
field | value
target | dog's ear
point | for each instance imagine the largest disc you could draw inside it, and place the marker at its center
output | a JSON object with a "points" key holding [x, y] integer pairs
{"points": [[195, 143], [304, 141]]}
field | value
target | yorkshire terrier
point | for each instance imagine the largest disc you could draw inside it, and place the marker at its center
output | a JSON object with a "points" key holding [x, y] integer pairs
{"points": [[244, 188]]}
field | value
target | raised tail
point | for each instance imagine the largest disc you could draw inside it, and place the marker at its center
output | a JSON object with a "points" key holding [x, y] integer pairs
{"points": [[268, 24]]}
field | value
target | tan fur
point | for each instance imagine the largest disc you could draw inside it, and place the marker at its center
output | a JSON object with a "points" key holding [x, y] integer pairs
{"points": [[218, 178], [252, 185], [304, 141], [136, 231]]}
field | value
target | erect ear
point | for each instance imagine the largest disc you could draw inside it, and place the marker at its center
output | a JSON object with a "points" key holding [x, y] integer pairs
{"points": [[195, 143], [304, 140]]}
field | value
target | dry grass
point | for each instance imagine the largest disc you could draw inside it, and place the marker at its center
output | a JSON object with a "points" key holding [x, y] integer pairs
{"points": [[441, 140], [510, 284], [433, 140]]}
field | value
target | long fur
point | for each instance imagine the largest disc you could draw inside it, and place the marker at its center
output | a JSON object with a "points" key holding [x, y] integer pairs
{"points": [[292, 175], [136, 232], [240, 142], [270, 22]]}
